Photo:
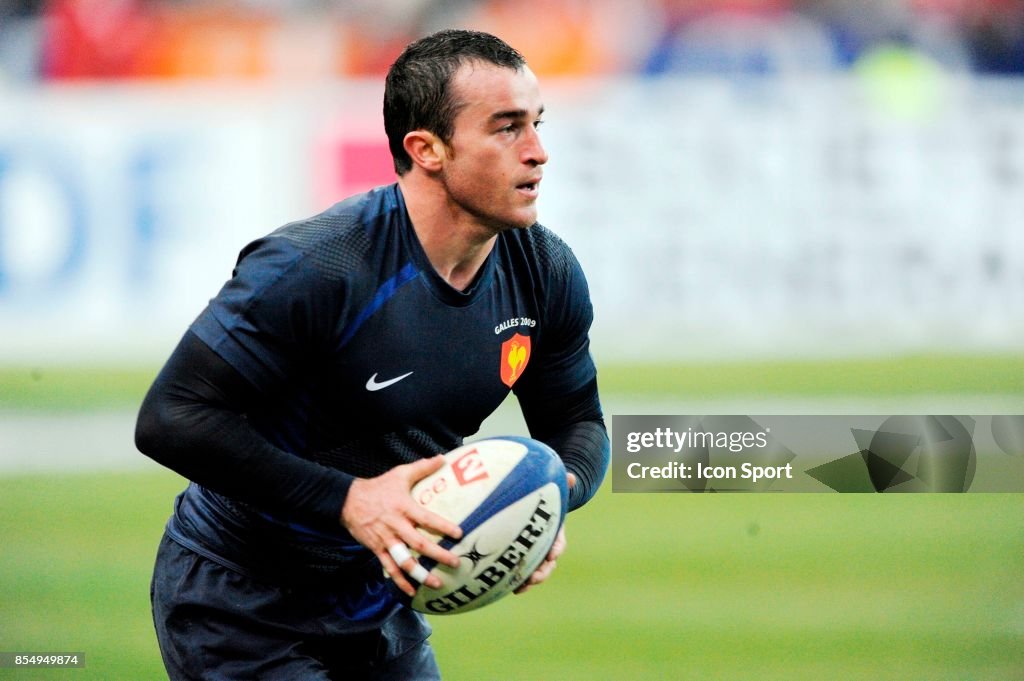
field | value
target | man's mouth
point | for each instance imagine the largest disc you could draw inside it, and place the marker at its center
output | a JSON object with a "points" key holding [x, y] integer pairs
{"points": [[531, 188]]}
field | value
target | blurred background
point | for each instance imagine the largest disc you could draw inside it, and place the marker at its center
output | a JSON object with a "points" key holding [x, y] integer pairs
{"points": [[782, 206], [743, 178]]}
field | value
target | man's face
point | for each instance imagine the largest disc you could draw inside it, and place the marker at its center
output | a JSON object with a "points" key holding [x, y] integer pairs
{"points": [[493, 168]]}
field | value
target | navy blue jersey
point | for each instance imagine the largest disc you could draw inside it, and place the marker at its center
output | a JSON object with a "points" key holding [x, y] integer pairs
{"points": [[365, 358]]}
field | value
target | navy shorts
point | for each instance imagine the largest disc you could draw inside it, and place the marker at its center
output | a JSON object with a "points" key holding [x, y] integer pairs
{"points": [[216, 623]]}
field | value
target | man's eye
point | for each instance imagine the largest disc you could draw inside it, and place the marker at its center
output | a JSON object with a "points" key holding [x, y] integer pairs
{"points": [[538, 123]]}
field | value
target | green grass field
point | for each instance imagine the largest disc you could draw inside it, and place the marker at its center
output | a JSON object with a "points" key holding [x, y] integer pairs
{"points": [[792, 586], [55, 388]]}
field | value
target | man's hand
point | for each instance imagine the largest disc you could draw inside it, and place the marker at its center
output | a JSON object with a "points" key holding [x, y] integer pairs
{"points": [[382, 516], [545, 569]]}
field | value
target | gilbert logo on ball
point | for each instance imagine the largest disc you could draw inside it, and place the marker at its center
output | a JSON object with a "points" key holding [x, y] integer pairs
{"points": [[509, 496]]}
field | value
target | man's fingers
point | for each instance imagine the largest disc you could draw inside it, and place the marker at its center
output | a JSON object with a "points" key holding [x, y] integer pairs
{"points": [[381, 514], [400, 571], [424, 546], [420, 516], [558, 547], [545, 569], [543, 572], [417, 470], [400, 554], [428, 520], [539, 575], [395, 573], [409, 565], [570, 479]]}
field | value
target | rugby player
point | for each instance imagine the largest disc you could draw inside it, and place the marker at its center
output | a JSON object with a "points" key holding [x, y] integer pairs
{"points": [[346, 351]]}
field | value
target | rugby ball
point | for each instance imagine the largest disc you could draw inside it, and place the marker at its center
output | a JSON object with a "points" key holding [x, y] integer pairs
{"points": [[509, 495]]}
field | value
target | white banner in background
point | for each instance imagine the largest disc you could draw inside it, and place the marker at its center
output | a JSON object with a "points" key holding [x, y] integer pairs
{"points": [[711, 218], [799, 218]]}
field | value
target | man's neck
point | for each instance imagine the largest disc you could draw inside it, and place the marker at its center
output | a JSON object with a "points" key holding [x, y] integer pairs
{"points": [[455, 245]]}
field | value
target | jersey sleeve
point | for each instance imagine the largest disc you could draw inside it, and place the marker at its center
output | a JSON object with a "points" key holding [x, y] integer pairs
{"points": [[273, 314], [193, 421], [563, 363], [558, 394]]}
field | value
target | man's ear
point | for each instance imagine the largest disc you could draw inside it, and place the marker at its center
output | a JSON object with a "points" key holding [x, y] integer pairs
{"points": [[425, 149]]}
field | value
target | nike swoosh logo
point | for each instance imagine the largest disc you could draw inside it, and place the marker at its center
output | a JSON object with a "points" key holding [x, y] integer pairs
{"points": [[372, 385]]}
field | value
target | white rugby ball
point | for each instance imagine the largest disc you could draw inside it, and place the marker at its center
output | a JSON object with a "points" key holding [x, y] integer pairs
{"points": [[509, 495]]}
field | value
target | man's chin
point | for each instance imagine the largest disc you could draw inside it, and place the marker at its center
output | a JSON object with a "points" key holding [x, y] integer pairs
{"points": [[525, 221], [509, 225], [521, 221]]}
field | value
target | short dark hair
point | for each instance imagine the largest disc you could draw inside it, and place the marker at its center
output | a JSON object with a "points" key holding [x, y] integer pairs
{"points": [[417, 92]]}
